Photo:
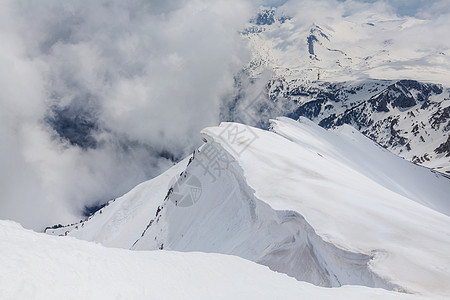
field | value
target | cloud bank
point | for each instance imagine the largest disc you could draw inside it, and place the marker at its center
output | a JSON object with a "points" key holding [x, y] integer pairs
{"points": [[138, 79]]}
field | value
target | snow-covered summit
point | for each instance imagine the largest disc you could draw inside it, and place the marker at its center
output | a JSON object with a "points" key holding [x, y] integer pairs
{"points": [[327, 207]]}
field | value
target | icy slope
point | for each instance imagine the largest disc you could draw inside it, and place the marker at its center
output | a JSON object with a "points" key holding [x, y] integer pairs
{"points": [[37, 266], [331, 208], [349, 146]]}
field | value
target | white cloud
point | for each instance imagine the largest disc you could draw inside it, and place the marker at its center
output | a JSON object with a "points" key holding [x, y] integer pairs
{"points": [[148, 74]]}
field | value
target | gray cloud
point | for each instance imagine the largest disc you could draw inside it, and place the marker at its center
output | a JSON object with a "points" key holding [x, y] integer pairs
{"points": [[139, 79]]}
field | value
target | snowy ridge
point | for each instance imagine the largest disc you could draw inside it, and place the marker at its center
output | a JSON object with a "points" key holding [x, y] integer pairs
{"points": [[384, 168], [66, 268], [282, 240], [121, 223], [299, 201]]}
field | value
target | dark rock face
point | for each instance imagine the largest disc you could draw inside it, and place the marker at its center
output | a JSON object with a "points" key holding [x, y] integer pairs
{"points": [[268, 17], [265, 17], [310, 110], [399, 95], [444, 148], [385, 111], [395, 139], [380, 102], [323, 102], [312, 38], [441, 116]]}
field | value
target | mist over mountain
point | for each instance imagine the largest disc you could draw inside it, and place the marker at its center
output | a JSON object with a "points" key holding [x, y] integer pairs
{"points": [[97, 98]]}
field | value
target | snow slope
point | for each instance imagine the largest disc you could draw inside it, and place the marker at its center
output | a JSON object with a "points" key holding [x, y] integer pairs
{"points": [[38, 266], [328, 207], [355, 47], [122, 221]]}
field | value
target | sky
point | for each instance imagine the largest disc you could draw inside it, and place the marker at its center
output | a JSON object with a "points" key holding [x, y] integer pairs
{"points": [[404, 7], [144, 77]]}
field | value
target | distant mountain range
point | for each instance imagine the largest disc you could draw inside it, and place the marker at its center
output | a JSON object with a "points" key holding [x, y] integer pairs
{"points": [[316, 72]]}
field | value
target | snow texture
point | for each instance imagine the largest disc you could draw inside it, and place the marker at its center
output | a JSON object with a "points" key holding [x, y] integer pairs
{"points": [[38, 266], [327, 207]]}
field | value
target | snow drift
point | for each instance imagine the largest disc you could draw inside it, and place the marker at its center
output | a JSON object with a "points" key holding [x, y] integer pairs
{"points": [[36, 266]]}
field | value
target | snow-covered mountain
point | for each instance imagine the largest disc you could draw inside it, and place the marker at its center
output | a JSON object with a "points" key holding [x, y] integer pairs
{"points": [[329, 207], [346, 196], [349, 48], [349, 72]]}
